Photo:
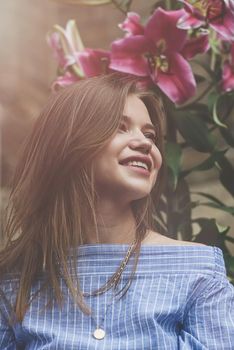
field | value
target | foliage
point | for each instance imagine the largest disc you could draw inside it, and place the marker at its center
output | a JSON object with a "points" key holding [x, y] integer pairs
{"points": [[185, 49]]}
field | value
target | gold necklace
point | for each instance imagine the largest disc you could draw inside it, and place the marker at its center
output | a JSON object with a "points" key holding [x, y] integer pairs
{"points": [[99, 333]]}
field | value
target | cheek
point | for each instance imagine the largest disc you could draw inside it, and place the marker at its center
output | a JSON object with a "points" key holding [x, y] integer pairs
{"points": [[157, 157], [100, 167], [103, 167]]}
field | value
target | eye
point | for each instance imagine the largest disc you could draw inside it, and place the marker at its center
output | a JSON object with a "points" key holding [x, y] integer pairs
{"points": [[150, 136]]}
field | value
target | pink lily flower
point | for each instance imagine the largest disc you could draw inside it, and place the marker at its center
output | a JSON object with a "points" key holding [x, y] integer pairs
{"points": [[156, 53], [228, 72], [198, 42], [93, 62], [132, 24], [217, 14], [73, 57], [54, 42], [64, 80]]}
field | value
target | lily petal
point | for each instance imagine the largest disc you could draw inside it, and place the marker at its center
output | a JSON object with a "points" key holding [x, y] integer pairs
{"points": [[134, 45], [73, 36], [222, 22], [232, 52], [53, 40], [65, 43], [65, 80], [131, 65], [144, 83], [227, 83], [230, 4], [195, 46], [227, 78], [179, 84], [188, 21], [188, 7], [127, 55], [93, 62], [132, 24], [70, 38], [226, 26], [162, 24]]}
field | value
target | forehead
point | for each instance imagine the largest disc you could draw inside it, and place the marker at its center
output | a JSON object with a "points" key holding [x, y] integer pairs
{"points": [[136, 110]]}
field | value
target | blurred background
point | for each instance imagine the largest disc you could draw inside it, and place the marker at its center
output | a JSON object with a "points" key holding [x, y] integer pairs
{"points": [[27, 69]]}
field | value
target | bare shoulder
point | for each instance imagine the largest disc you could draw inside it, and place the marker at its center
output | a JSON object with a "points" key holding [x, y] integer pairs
{"points": [[157, 238]]}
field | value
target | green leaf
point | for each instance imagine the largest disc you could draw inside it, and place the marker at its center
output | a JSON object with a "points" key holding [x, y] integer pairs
{"points": [[230, 263], [204, 66], [216, 119], [212, 97], [226, 174], [199, 108], [228, 135], [173, 155], [179, 209], [223, 230], [199, 78], [194, 204], [207, 164], [216, 203], [220, 106], [229, 239], [159, 224], [209, 233], [209, 196], [195, 131], [225, 208]]}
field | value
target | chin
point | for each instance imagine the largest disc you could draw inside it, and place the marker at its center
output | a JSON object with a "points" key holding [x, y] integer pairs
{"points": [[139, 190], [142, 196], [137, 195]]}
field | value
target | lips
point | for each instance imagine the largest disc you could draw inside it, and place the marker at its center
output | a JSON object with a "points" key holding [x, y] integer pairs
{"points": [[143, 159]]}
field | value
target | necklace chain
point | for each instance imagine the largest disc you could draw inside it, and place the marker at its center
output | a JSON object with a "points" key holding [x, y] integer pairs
{"points": [[99, 333], [116, 277]]}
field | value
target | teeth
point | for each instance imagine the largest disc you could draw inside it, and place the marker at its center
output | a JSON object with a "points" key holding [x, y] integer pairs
{"points": [[136, 163]]}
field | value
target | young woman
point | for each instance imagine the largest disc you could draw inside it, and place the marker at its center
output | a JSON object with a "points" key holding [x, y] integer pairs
{"points": [[82, 267]]}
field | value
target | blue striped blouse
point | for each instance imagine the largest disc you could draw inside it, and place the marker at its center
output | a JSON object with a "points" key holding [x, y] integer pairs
{"points": [[180, 298]]}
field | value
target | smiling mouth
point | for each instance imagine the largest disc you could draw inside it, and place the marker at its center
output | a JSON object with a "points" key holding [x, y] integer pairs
{"points": [[137, 168], [139, 163]]}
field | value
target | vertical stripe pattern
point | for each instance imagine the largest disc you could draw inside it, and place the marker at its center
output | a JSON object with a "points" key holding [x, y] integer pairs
{"points": [[180, 298]]}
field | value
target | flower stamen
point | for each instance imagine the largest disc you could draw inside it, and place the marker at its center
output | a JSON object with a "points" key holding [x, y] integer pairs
{"points": [[157, 62], [161, 63], [211, 10]]}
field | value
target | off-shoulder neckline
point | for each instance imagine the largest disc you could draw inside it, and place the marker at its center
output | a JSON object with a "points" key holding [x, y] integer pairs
{"points": [[119, 248], [147, 245]]}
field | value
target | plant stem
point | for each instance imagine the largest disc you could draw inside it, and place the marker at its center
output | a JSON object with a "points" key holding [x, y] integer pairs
{"points": [[128, 6], [229, 239], [213, 60], [168, 4], [213, 53], [119, 7]]}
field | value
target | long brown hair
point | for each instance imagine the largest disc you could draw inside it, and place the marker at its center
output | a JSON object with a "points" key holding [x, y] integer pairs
{"points": [[53, 189]]}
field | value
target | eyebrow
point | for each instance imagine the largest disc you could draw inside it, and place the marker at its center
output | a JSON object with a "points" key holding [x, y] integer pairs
{"points": [[147, 125]]}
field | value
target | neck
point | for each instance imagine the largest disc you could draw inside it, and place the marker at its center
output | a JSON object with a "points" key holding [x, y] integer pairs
{"points": [[115, 224]]}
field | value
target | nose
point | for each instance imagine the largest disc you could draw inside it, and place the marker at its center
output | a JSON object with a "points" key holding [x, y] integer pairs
{"points": [[141, 143]]}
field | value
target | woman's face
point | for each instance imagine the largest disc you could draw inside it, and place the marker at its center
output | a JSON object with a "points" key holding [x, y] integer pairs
{"points": [[127, 167]]}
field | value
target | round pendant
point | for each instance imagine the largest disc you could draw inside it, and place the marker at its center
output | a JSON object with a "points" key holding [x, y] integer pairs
{"points": [[99, 333]]}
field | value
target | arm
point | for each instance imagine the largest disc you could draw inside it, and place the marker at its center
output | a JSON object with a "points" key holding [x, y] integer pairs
{"points": [[209, 322], [7, 337]]}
